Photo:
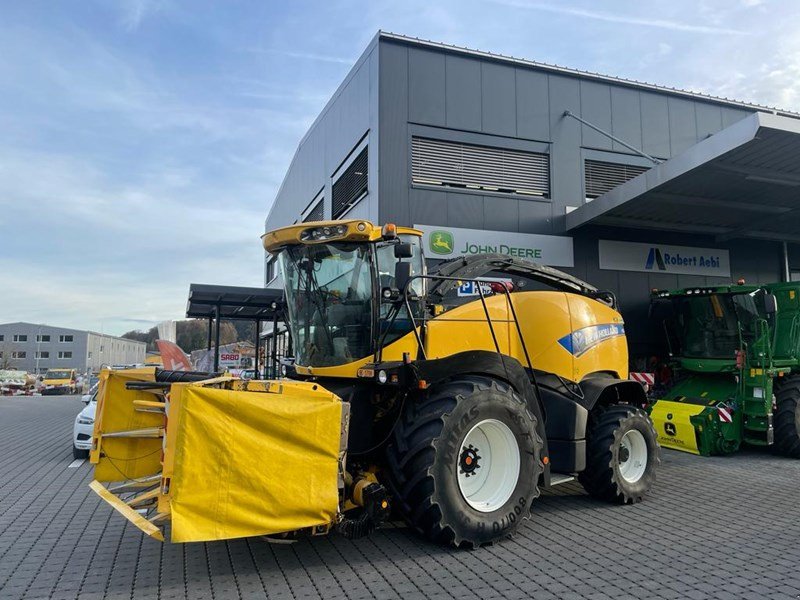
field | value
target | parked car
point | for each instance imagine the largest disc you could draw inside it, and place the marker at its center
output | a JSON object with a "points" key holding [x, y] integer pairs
{"points": [[83, 428], [87, 397], [247, 373], [60, 381]]}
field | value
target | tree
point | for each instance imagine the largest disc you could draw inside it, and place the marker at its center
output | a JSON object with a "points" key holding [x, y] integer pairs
{"points": [[6, 362]]}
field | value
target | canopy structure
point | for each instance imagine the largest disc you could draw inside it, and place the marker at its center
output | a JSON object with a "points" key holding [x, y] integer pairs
{"points": [[220, 302], [742, 182]]}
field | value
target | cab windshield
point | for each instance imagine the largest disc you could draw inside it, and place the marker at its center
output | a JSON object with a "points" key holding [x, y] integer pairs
{"points": [[329, 297], [710, 326], [58, 375]]}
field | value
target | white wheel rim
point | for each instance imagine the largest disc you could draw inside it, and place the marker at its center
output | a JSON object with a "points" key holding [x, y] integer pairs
{"points": [[488, 465], [632, 456]]}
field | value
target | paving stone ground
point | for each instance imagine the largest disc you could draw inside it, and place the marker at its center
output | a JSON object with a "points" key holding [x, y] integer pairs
{"points": [[712, 528]]}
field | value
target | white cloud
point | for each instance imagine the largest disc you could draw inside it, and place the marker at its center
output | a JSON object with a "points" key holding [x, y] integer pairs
{"points": [[619, 17]]}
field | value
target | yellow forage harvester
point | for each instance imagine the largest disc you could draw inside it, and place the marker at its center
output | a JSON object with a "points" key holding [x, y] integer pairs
{"points": [[455, 393]]}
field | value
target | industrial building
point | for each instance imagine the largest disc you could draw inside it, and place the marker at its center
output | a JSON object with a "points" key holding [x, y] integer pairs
{"points": [[36, 347], [628, 185]]}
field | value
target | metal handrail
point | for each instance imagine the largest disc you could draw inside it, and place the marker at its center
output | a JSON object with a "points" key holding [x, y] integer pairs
{"points": [[478, 281]]}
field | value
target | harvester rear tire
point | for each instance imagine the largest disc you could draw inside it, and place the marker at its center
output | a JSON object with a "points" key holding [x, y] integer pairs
{"points": [[786, 421], [430, 450], [616, 433]]}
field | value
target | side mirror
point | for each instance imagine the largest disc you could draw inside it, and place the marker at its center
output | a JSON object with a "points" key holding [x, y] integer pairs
{"points": [[402, 273], [770, 304], [403, 250]]}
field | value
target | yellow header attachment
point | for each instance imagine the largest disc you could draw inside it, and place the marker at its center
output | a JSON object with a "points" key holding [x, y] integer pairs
{"points": [[219, 458], [329, 231]]}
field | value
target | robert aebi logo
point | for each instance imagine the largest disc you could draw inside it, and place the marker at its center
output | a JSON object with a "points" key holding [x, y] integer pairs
{"points": [[441, 242], [655, 257]]}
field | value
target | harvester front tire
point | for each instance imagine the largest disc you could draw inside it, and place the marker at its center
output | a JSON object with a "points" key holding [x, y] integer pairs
{"points": [[622, 454], [786, 420], [468, 423]]}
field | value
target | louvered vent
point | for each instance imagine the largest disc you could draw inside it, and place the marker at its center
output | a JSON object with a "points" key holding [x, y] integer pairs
{"points": [[317, 213], [602, 176], [351, 185], [453, 164]]}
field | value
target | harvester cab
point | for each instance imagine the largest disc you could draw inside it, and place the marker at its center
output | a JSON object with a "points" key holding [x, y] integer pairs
{"points": [[449, 396], [731, 351]]}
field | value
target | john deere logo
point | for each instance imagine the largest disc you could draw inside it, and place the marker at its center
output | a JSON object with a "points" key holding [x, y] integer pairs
{"points": [[654, 258], [670, 429], [441, 242]]}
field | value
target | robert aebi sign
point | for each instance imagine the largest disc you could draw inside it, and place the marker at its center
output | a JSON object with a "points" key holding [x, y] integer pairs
{"points": [[449, 242], [685, 260]]}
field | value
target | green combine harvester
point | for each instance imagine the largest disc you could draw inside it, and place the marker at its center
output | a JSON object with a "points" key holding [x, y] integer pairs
{"points": [[735, 361]]}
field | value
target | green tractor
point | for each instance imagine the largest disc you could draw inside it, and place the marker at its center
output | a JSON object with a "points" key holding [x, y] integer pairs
{"points": [[735, 364]]}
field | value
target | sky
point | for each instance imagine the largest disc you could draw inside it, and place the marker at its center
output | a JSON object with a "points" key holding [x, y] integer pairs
{"points": [[142, 142]]}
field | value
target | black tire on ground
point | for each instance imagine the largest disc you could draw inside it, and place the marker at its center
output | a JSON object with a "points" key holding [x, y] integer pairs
{"points": [[602, 477], [78, 453], [786, 420], [426, 454]]}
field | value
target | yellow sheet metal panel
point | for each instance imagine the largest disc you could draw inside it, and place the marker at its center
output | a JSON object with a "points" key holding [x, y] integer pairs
{"points": [[672, 422], [467, 325], [251, 463], [606, 347], [393, 351], [544, 319], [121, 458]]}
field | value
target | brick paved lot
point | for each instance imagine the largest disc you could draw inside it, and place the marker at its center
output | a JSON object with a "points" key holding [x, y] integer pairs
{"points": [[713, 528]]}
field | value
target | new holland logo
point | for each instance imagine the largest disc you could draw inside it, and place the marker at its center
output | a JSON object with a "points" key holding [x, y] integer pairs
{"points": [[441, 242], [655, 257]]}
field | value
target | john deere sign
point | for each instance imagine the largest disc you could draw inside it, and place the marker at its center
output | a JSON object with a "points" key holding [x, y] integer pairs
{"points": [[448, 242], [663, 258]]}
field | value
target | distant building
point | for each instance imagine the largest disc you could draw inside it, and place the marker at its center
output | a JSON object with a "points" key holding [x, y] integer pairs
{"points": [[35, 348]]}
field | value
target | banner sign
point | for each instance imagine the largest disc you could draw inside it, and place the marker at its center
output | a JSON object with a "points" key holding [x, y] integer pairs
{"points": [[470, 288], [663, 258], [449, 242]]}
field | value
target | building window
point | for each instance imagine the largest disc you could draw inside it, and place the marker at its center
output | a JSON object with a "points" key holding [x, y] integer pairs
{"points": [[2, 338], [272, 271], [64, 354], [474, 167], [19, 354], [43, 354], [66, 338], [317, 213], [601, 176], [351, 185], [90, 354], [101, 347], [20, 337], [42, 338]]}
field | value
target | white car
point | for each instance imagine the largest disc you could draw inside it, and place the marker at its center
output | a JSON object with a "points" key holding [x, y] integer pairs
{"points": [[83, 429], [87, 397]]}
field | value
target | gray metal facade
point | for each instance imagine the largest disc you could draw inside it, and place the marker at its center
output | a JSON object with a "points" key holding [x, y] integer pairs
{"points": [[88, 350], [403, 87]]}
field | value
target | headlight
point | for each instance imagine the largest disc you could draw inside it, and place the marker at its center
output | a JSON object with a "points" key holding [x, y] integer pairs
{"points": [[382, 377], [85, 421], [323, 233]]}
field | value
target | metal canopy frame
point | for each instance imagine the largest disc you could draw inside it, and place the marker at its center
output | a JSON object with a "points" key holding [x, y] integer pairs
{"points": [[742, 182], [217, 303]]}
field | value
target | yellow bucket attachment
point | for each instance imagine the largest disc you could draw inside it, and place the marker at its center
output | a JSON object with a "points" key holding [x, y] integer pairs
{"points": [[672, 421], [219, 458]]}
